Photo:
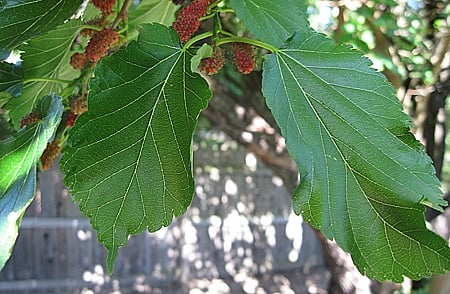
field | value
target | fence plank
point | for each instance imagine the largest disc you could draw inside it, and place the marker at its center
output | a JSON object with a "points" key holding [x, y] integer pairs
{"points": [[240, 222]]}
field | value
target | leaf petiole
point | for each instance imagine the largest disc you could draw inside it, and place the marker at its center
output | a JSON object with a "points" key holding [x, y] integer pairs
{"points": [[195, 39]]}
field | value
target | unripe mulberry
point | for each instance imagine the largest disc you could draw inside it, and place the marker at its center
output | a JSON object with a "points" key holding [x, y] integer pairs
{"points": [[78, 104], [29, 119], [213, 64], [49, 155], [187, 22], [105, 6], [244, 57], [78, 60], [100, 43]]}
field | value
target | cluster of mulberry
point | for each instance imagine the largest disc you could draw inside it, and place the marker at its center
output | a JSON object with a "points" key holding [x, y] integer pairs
{"points": [[213, 64], [187, 22], [49, 155], [97, 48], [100, 43], [29, 119], [244, 57], [105, 6]]}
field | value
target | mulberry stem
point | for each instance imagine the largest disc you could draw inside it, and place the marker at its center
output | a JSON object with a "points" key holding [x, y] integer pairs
{"points": [[247, 41], [195, 39], [123, 13]]}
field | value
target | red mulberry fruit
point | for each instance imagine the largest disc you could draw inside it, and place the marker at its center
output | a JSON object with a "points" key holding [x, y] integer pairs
{"points": [[29, 119], [105, 6], [244, 57], [213, 64], [49, 155], [78, 60], [187, 22], [100, 44], [71, 119]]}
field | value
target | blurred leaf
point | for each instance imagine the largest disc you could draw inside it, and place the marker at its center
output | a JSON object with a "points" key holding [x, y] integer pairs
{"points": [[269, 20], [18, 154], [363, 176], [144, 104], [25, 19], [12, 208], [11, 78], [150, 11], [18, 158], [45, 58]]}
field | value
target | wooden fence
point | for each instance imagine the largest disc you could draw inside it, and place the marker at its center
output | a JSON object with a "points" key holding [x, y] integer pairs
{"points": [[239, 235]]}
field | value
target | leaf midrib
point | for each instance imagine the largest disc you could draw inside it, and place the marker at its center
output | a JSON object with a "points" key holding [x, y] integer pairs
{"points": [[144, 140], [349, 125]]}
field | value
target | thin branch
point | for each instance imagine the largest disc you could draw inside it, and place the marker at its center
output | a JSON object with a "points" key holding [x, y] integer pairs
{"points": [[123, 14]]}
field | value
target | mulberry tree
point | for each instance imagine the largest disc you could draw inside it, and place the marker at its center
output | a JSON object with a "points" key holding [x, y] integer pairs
{"points": [[117, 88]]}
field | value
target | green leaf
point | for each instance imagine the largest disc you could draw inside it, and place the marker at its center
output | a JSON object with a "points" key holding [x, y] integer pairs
{"points": [[362, 174], [25, 19], [19, 154], [18, 158], [46, 59], [152, 11], [272, 21], [144, 104], [4, 98], [202, 52], [12, 208], [11, 78]]}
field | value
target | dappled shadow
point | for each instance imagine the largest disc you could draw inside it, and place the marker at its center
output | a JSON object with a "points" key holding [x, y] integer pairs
{"points": [[238, 236]]}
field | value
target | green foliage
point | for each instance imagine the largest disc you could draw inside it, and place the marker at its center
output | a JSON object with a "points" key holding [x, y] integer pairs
{"points": [[364, 179], [22, 20], [319, 95], [45, 60], [12, 208], [272, 21], [139, 139], [11, 77], [18, 158], [162, 12]]}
